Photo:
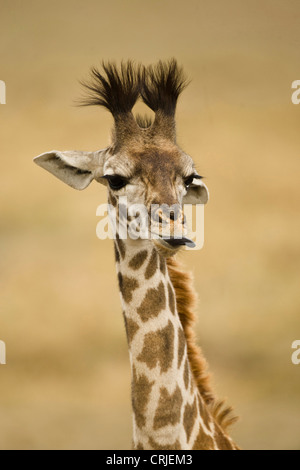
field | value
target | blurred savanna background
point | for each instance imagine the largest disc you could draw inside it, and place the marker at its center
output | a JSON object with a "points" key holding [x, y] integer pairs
{"points": [[66, 384]]}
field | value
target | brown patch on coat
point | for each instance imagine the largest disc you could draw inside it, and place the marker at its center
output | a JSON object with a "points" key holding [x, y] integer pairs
{"points": [[154, 302], [189, 417], [121, 246], [152, 265], [117, 254], [172, 301], [204, 413], [162, 264], [138, 260], [141, 389], [159, 348], [112, 200], [127, 286], [131, 328], [169, 408], [139, 446], [186, 374], [204, 441]]}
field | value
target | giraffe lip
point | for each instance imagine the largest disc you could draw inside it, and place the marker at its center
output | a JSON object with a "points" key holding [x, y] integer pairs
{"points": [[174, 242]]}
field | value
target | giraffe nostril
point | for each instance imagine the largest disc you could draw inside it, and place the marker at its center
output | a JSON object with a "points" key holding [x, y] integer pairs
{"points": [[172, 215]]}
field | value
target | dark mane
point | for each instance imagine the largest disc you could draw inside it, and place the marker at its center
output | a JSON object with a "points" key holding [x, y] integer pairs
{"points": [[162, 85], [116, 89]]}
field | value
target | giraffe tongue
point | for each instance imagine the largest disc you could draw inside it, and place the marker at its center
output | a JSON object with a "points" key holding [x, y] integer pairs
{"points": [[180, 241]]}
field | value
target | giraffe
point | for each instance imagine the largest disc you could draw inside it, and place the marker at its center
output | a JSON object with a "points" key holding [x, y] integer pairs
{"points": [[173, 404]]}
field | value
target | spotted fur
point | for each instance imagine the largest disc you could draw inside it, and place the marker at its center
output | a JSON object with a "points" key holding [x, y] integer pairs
{"points": [[186, 300]]}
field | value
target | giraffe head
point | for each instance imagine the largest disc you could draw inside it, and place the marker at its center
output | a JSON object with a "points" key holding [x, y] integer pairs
{"points": [[143, 164]]}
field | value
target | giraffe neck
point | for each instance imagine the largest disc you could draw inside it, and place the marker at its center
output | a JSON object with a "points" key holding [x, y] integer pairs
{"points": [[168, 411]]}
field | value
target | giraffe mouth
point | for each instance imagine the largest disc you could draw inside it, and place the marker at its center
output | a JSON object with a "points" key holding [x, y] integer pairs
{"points": [[177, 242], [172, 242]]}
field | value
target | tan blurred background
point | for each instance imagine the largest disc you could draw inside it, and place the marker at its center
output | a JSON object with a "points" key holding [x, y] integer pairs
{"points": [[66, 384]]}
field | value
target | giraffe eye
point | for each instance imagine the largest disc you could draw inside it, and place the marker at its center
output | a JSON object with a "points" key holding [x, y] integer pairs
{"points": [[116, 182], [188, 181]]}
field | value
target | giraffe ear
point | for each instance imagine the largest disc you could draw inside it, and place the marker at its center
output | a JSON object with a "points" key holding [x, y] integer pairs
{"points": [[197, 193], [77, 169]]}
